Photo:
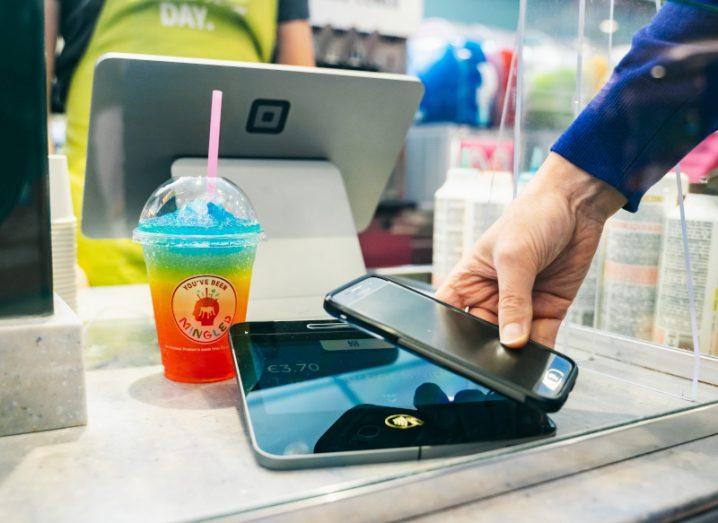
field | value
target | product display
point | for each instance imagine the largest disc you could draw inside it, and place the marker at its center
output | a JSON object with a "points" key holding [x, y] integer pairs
{"points": [[487, 204], [583, 308], [472, 198], [465, 83], [673, 325], [631, 266], [453, 83], [199, 237], [465, 207], [431, 150], [485, 153], [450, 204]]}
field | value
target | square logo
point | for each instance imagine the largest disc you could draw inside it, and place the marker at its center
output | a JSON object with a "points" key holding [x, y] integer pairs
{"points": [[268, 116]]}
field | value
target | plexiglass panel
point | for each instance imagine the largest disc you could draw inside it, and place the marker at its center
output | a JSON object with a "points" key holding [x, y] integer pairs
{"points": [[637, 291], [638, 287]]}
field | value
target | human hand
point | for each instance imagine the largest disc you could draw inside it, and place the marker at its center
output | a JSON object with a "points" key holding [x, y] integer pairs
{"points": [[525, 271]]}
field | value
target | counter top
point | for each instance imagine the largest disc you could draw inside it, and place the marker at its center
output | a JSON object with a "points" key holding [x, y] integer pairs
{"points": [[153, 449], [159, 450], [671, 485]]}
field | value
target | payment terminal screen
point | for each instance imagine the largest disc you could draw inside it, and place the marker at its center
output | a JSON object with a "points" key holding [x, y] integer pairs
{"points": [[314, 390]]}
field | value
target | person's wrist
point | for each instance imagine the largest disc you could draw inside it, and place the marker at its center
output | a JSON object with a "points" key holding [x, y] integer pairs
{"points": [[585, 194]]}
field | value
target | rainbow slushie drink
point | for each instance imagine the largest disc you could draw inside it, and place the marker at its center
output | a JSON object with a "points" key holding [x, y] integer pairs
{"points": [[199, 237]]}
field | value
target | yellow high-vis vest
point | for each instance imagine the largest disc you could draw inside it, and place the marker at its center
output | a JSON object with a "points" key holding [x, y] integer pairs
{"points": [[242, 30]]}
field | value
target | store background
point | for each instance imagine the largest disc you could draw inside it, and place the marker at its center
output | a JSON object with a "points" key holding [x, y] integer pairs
{"points": [[416, 229], [637, 285], [499, 13]]}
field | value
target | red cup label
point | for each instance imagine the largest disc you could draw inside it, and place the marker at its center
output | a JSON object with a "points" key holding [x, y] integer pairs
{"points": [[204, 307]]}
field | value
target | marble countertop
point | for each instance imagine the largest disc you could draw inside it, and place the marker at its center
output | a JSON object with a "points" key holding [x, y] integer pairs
{"points": [[159, 450]]}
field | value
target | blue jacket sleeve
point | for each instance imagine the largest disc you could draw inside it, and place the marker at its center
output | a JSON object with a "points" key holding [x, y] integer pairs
{"points": [[290, 10], [661, 101]]}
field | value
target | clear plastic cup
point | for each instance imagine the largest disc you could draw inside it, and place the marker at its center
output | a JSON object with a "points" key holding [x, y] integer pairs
{"points": [[199, 237]]}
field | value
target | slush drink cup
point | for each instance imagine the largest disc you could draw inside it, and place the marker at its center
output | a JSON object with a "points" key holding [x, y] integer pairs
{"points": [[199, 237]]}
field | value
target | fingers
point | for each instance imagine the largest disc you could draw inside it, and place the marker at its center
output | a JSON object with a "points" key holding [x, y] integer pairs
{"points": [[484, 314], [545, 330], [516, 275], [472, 283], [448, 294]]}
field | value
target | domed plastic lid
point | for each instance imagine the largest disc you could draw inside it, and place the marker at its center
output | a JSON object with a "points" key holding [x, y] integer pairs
{"points": [[198, 212]]}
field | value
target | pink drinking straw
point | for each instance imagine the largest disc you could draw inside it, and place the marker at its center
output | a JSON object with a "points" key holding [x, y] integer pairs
{"points": [[214, 125]]}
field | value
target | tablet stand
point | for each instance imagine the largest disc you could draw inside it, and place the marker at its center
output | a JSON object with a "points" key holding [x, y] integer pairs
{"points": [[311, 244]]}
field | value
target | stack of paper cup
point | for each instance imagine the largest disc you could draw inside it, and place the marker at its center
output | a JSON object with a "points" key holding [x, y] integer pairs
{"points": [[63, 226]]}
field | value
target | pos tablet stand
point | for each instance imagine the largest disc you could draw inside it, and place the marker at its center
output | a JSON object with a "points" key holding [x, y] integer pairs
{"points": [[312, 149], [311, 244]]}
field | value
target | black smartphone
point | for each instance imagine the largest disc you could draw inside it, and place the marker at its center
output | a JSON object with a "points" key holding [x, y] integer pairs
{"points": [[319, 393], [535, 374]]}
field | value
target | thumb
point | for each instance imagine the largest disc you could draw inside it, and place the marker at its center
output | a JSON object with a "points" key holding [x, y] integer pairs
{"points": [[516, 276]]}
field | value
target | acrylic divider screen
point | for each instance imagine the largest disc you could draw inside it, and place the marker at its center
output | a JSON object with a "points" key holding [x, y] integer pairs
{"points": [[637, 287]]}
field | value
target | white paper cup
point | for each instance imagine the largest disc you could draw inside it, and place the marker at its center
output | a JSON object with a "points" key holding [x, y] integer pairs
{"points": [[60, 196]]}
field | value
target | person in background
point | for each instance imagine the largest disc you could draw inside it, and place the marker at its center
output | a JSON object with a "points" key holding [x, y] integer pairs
{"points": [[242, 30], [661, 101]]}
